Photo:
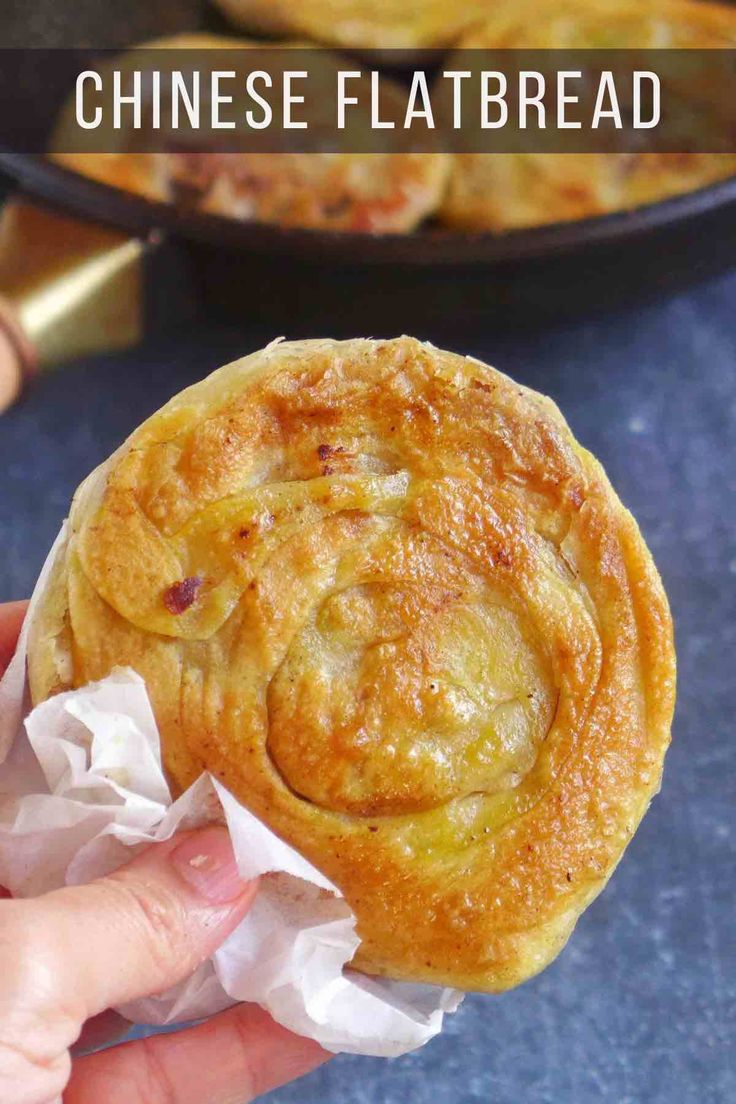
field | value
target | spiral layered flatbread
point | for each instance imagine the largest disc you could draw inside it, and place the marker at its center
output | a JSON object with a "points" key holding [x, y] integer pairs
{"points": [[391, 192], [504, 191], [381, 593]]}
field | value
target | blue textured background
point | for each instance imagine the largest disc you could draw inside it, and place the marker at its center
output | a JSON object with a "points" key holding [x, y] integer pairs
{"points": [[640, 1006]]}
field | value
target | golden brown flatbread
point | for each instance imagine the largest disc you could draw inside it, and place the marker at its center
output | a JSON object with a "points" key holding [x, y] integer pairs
{"points": [[380, 591]]}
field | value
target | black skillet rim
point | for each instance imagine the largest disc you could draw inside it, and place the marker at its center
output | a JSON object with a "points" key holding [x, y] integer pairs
{"points": [[39, 178]]}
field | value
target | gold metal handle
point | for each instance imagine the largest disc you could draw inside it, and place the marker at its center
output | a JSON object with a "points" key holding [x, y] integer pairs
{"points": [[68, 288]]}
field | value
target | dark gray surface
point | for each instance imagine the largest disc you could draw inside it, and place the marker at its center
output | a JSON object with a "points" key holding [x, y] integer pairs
{"points": [[640, 1006]]}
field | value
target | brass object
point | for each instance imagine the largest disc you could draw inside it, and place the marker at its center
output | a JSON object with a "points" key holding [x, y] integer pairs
{"points": [[68, 288]]}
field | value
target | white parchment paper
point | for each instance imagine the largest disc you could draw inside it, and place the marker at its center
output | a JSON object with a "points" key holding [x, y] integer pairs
{"points": [[81, 784]]}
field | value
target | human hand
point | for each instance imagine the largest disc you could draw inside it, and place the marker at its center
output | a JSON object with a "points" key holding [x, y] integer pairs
{"points": [[70, 955]]}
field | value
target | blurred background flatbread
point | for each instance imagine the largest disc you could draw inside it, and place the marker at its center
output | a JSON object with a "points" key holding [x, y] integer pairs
{"points": [[501, 191], [360, 24], [368, 192]]}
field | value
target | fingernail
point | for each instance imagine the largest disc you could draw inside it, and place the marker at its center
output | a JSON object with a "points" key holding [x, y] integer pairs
{"points": [[206, 862]]}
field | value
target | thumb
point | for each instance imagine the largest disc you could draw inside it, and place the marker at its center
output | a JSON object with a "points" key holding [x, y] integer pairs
{"points": [[11, 619], [136, 932]]}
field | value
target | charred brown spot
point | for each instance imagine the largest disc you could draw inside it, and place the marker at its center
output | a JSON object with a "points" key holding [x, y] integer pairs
{"points": [[576, 193], [180, 596], [244, 533], [326, 451]]}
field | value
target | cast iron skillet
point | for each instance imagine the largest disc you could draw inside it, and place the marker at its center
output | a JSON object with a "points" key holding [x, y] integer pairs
{"points": [[306, 279], [302, 281]]}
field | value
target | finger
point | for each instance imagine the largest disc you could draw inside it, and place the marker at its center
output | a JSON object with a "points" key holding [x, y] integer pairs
{"points": [[11, 619], [75, 952], [230, 1059]]}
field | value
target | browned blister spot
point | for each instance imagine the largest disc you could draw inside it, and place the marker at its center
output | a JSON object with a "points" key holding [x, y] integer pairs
{"points": [[180, 596]]}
